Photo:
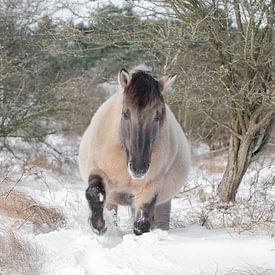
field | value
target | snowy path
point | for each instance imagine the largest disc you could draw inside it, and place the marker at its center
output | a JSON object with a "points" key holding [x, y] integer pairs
{"points": [[192, 250]]}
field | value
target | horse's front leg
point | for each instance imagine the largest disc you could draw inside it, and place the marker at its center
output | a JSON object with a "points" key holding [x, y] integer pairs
{"points": [[144, 212], [96, 196]]}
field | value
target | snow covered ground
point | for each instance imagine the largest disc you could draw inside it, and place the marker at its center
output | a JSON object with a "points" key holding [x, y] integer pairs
{"points": [[235, 240]]}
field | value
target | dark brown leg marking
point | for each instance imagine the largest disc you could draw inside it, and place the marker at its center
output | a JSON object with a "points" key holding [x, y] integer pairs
{"points": [[144, 217], [162, 215], [96, 195]]}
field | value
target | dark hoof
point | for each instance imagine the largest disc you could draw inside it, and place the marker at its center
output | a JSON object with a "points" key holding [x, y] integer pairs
{"points": [[99, 232], [98, 225], [141, 226]]}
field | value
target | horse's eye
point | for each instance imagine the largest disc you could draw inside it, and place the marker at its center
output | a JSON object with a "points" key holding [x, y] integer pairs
{"points": [[126, 115]]}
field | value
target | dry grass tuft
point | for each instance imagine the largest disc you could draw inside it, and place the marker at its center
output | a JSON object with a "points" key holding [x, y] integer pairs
{"points": [[42, 161], [21, 206], [17, 256]]}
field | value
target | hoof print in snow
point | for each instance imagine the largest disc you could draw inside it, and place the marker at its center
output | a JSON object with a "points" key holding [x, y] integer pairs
{"points": [[141, 226]]}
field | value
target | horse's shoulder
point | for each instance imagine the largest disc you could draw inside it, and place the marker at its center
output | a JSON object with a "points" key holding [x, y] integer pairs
{"points": [[107, 106], [105, 116]]}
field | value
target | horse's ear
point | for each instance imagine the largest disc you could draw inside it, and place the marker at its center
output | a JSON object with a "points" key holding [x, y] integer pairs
{"points": [[166, 82], [123, 78]]}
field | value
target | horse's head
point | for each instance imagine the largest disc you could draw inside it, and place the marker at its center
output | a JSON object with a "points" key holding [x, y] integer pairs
{"points": [[142, 116]]}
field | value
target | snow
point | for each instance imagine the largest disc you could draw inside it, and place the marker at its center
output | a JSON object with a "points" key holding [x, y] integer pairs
{"points": [[192, 250], [187, 248]]}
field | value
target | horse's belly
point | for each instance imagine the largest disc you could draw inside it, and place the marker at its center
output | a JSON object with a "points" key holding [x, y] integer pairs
{"points": [[120, 198], [174, 179]]}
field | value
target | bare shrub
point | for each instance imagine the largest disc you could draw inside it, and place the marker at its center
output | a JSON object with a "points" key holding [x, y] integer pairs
{"points": [[80, 96], [21, 206], [254, 209], [17, 255]]}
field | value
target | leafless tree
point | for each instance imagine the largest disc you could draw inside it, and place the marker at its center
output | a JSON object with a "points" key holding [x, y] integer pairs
{"points": [[238, 35], [22, 98]]}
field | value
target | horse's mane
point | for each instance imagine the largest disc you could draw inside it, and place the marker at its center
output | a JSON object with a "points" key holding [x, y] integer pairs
{"points": [[145, 68], [143, 90]]}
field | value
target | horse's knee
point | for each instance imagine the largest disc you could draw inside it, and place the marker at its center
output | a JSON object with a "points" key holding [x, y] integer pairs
{"points": [[96, 195]]}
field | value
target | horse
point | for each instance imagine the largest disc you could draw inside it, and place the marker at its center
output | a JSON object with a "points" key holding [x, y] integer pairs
{"points": [[134, 153]]}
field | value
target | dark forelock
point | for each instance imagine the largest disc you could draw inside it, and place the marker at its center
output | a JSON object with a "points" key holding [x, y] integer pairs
{"points": [[143, 90]]}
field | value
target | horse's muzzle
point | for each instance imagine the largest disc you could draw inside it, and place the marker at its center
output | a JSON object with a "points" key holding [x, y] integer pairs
{"points": [[137, 173]]}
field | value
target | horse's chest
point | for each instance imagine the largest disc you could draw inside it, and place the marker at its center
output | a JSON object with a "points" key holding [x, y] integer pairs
{"points": [[113, 162]]}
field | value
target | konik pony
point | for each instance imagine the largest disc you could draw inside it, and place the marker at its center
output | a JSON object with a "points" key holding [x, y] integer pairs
{"points": [[134, 153]]}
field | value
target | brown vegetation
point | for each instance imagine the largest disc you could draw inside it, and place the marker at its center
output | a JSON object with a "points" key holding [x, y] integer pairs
{"points": [[42, 161], [210, 164], [17, 255], [21, 206]]}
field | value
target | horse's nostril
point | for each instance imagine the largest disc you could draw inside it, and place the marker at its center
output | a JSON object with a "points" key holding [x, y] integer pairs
{"points": [[142, 171], [130, 164]]}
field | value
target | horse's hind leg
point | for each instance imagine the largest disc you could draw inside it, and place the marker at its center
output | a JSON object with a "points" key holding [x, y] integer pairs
{"points": [[96, 195], [162, 215]]}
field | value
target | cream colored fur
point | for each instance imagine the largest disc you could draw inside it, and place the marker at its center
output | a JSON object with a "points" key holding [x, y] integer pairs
{"points": [[102, 153]]}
